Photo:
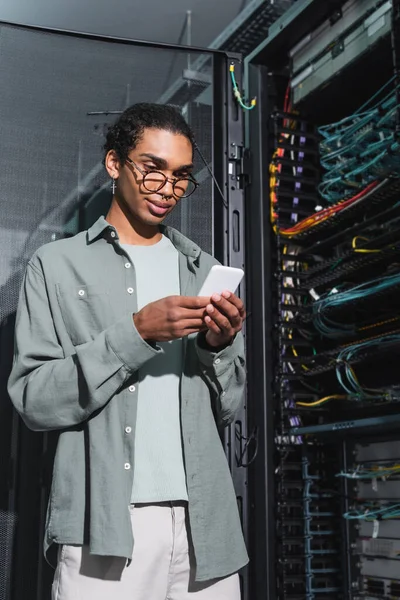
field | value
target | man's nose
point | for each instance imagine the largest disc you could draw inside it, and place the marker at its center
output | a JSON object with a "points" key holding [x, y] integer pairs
{"points": [[168, 189]]}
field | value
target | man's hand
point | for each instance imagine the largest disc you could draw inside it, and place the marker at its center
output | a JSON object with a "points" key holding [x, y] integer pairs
{"points": [[225, 316], [171, 318]]}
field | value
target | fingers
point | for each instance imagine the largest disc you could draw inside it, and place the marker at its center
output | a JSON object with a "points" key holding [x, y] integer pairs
{"points": [[186, 314], [233, 311], [212, 325], [222, 323], [236, 302], [192, 302], [195, 324]]}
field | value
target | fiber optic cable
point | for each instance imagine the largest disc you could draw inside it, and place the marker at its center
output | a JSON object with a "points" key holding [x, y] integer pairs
{"points": [[391, 511], [376, 472], [360, 147], [237, 92]]}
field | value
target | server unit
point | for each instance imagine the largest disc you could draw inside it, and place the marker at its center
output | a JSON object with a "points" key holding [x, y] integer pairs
{"points": [[324, 273]]}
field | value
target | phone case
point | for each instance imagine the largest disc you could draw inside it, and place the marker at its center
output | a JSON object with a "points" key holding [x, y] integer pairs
{"points": [[221, 278]]}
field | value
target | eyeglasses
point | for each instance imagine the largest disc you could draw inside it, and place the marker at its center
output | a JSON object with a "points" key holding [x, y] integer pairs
{"points": [[154, 181]]}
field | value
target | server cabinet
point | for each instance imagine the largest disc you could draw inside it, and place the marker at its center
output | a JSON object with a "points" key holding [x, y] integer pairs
{"points": [[62, 91], [322, 262]]}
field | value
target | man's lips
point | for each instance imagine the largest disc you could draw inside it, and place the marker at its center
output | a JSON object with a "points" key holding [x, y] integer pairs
{"points": [[159, 208]]}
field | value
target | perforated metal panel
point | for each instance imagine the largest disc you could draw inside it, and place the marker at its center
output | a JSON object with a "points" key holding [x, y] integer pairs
{"points": [[58, 96]]}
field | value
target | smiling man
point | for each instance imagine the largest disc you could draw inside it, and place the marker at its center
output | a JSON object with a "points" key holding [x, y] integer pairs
{"points": [[115, 351]]}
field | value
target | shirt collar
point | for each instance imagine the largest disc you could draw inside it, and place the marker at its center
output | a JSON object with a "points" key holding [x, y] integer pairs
{"points": [[98, 229], [181, 243]]}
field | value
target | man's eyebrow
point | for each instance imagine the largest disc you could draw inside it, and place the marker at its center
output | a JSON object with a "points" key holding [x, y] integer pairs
{"points": [[162, 163]]}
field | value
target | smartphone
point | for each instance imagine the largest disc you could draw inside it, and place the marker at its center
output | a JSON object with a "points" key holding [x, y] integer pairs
{"points": [[221, 278]]}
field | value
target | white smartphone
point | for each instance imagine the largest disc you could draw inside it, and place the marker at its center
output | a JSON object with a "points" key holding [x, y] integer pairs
{"points": [[221, 278]]}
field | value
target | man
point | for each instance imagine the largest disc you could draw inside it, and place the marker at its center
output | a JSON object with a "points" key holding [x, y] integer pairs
{"points": [[115, 350]]}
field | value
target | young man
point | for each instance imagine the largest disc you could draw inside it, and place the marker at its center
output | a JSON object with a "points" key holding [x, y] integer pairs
{"points": [[115, 350]]}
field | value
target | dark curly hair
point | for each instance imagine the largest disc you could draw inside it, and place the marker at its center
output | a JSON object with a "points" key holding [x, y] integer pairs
{"points": [[128, 130]]}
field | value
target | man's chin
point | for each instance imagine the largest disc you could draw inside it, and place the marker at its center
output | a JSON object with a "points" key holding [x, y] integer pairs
{"points": [[152, 220]]}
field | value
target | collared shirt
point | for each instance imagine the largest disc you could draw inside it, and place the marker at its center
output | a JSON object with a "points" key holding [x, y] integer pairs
{"points": [[77, 355]]}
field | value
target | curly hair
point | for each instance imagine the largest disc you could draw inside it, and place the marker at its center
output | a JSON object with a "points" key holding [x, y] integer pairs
{"points": [[127, 131]]}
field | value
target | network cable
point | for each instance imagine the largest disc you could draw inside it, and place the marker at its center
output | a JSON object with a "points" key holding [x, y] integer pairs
{"points": [[374, 472], [370, 512], [330, 328], [360, 148], [237, 92]]}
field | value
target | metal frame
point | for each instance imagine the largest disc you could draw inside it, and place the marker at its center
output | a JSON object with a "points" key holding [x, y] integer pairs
{"points": [[260, 346], [228, 149], [295, 24]]}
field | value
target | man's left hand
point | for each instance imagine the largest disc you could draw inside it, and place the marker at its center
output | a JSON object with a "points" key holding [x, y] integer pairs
{"points": [[224, 319]]}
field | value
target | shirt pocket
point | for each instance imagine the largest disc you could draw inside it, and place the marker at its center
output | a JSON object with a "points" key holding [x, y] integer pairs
{"points": [[85, 310]]}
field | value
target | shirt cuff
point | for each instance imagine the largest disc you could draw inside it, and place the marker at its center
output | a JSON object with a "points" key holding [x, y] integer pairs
{"points": [[219, 360], [127, 343]]}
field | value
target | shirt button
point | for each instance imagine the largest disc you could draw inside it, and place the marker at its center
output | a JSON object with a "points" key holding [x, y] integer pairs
{"points": [[130, 290], [127, 466], [127, 265], [131, 388], [81, 292], [223, 394], [128, 429], [217, 361], [112, 234]]}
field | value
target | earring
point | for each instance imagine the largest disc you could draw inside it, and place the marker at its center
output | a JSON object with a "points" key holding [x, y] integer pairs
{"points": [[113, 185]]}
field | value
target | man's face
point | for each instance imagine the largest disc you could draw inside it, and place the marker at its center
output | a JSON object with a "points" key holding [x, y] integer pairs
{"points": [[158, 150]]}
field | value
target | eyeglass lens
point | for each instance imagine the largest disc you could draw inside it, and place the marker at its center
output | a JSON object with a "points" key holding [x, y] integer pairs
{"points": [[155, 181]]}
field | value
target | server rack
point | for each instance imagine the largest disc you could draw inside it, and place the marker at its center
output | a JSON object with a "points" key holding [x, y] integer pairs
{"points": [[322, 264]]}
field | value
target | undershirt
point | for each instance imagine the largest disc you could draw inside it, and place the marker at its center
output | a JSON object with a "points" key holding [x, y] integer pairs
{"points": [[159, 473]]}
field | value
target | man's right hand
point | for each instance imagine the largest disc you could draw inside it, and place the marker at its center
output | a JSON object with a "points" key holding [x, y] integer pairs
{"points": [[171, 318]]}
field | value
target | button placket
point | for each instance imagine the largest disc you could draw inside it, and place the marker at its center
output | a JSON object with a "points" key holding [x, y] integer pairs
{"points": [[131, 306]]}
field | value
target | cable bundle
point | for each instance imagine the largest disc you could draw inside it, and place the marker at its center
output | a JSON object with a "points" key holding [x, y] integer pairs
{"points": [[347, 378], [374, 472], [360, 148], [370, 512], [325, 213], [333, 329]]}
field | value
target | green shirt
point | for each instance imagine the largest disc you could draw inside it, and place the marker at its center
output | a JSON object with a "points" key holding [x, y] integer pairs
{"points": [[77, 355]]}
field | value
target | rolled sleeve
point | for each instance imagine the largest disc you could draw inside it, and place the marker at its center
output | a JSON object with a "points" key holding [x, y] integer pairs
{"points": [[225, 373], [128, 345]]}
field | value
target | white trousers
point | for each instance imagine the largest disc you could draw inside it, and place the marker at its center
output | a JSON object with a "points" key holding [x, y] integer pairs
{"points": [[161, 567]]}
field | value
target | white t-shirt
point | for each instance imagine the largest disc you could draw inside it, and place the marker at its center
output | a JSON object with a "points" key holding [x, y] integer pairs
{"points": [[159, 473]]}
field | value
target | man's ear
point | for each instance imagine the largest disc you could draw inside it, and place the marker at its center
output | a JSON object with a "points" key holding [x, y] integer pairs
{"points": [[112, 164]]}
